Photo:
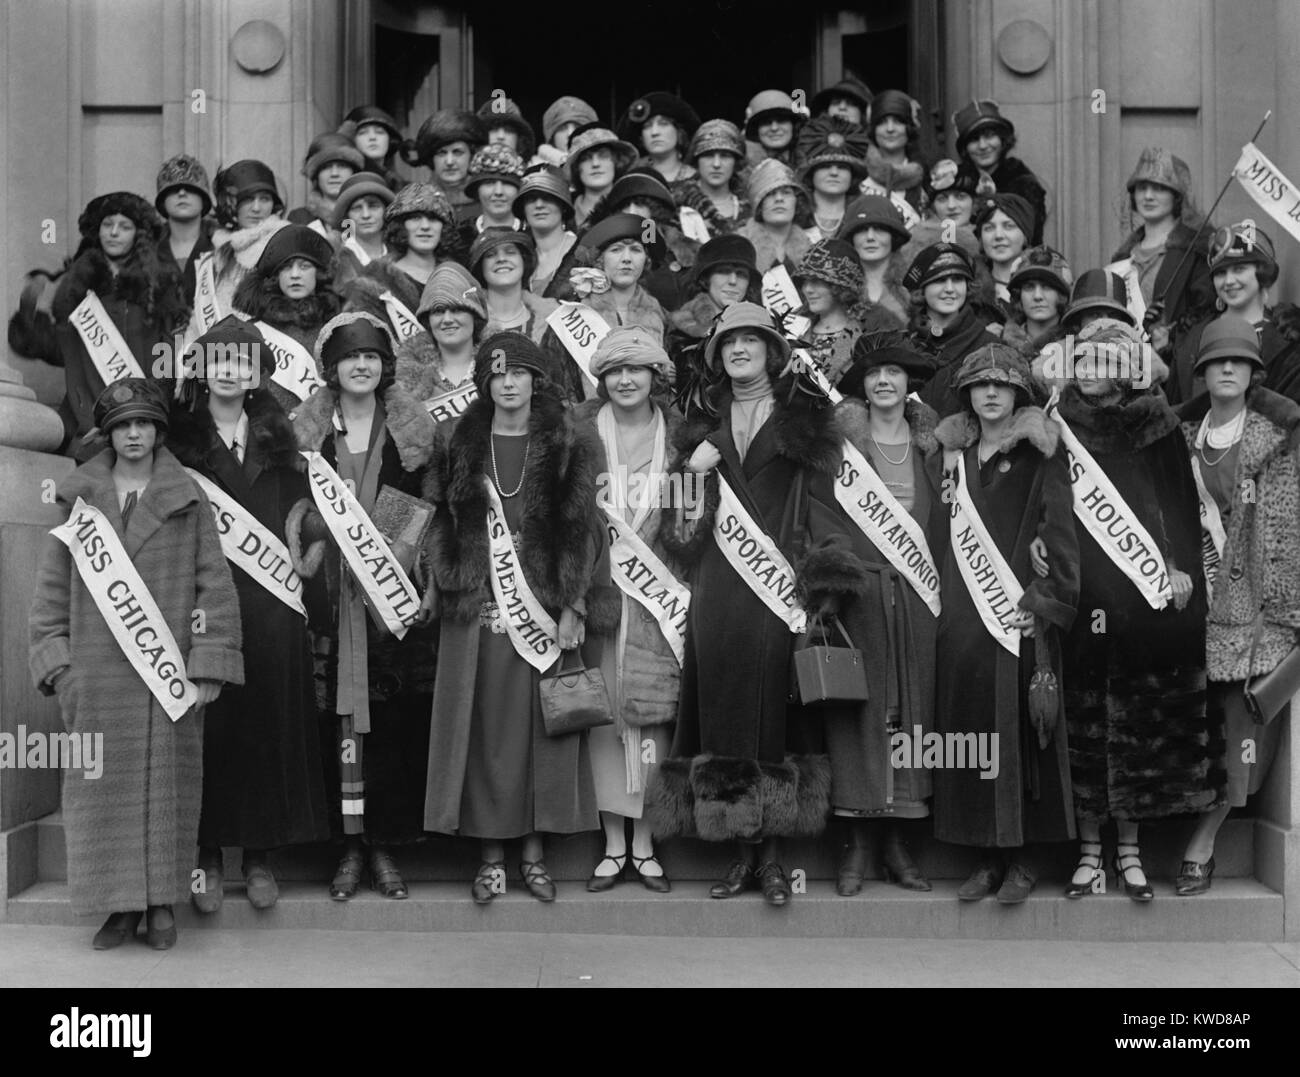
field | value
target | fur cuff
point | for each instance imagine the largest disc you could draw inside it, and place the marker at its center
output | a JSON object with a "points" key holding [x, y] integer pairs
{"points": [[604, 608], [304, 519], [827, 576]]}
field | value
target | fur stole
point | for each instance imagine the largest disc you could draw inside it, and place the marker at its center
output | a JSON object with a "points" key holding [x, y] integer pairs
{"points": [[194, 440], [696, 317], [381, 275], [893, 177], [765, 246], [558, 533], [142, 281], [690, 193], [960, 431], [409, 424], [853, 416], [1127, 427], [261, 299], [245, 245]]}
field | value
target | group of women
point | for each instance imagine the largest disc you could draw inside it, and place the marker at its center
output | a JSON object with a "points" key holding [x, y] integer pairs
{"points": [[531, 415]]}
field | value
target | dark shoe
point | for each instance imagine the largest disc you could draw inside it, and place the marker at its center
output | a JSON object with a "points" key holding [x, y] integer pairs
{"points": [[776, 887], [490, 881], [385, 877], [900, 867], [853, 868], [116, 930], [739, 878], [1123, 863], [1090, 861], [598, 884], [161, 930], [1194, 878], [658, 883], [260, 885], [347, 877], [983, 881], [209, 899], [537, 879], [1017, 885]]}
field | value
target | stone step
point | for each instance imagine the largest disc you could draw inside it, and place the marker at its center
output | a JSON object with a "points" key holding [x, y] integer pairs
{"points": [[1235, 909], [442, 859]]}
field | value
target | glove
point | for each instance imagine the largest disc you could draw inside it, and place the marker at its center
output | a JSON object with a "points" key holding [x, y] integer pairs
{"points": [[305, 525]]}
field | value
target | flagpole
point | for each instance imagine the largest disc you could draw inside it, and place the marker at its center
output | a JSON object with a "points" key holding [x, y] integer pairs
{"points": [[1157, 309]]}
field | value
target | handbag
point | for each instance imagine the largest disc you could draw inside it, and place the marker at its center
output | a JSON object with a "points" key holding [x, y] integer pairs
{"points": [[1268, 693], [574, 700], [827, 674]]}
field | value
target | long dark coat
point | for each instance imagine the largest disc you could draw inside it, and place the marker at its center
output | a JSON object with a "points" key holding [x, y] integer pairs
{"points": [[1185, 284], [948, 348], [565, 559], [896, 633], [982, 688], [131, 831], [1135, 677], [746, 763], [262, 779]]}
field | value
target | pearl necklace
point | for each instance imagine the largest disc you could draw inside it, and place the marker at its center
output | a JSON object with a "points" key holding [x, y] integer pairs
{"points": [[907, 451], [496, 479]]}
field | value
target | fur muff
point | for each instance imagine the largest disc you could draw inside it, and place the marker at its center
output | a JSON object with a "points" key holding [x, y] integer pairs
{"points": [[559, 519], [828, 575], [962, 430]]}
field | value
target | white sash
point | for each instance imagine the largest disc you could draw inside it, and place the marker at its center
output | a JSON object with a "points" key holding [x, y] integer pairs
{"points": [[386, 586], [248, 544], [1112, 524], [862, 494], [127, 607], [104, 344], [1125, 268], [910, 217], [318, 226], [207, 307], [451, 405], [779, 294], [532, 630], [801, 361], [1213, 537], [756, 559], [404, 322], [580, 329], [295, 369], [644, 578], [993, 587], [693, 224]]}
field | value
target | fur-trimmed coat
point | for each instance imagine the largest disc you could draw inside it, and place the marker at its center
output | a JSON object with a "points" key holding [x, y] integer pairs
{"points": [[397, 667], [745, 762], [690, 193], [948, 348], [796, 246], [1134, 683], [235, 254], [1013, 176], [906, 179], [380, 276], [261, 300], [1261, 560], [565, 559], [643, 310], [262, 777], [131, 830], [143, 299], [1022, 493], [895, 631]]}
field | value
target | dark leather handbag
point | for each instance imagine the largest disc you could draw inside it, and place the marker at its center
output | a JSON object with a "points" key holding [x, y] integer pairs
{"points": [[574, 700], [828, 674], [1268, 693]]}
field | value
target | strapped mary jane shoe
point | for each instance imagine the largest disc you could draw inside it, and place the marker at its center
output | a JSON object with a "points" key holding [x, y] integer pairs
{"points": [[657, 883], [598, 884], [537, 879], [489, 882], [1089, 861], [1123, 863]]}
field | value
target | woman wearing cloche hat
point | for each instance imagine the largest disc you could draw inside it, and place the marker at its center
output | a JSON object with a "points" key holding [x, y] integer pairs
{"points": [[1242, 439], [376, 436], [779, 203], [662, 124], [746, 766], [131, 827], [513, 476], [984, 139], [717, 193], [639, 429], [1007, 482]]}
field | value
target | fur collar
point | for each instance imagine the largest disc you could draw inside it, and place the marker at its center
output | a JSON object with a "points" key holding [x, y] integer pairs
{"points": [[142, 281], [696, 317], [380, 276], [643, 309], [806, 432], [765, 246], [853, 417], [892, 177], [246, 244], [170, 490], [409, 425], [1126, 427], [690, 193], [261, 299], [194, 439], [1272, 427], [960, 431]]}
